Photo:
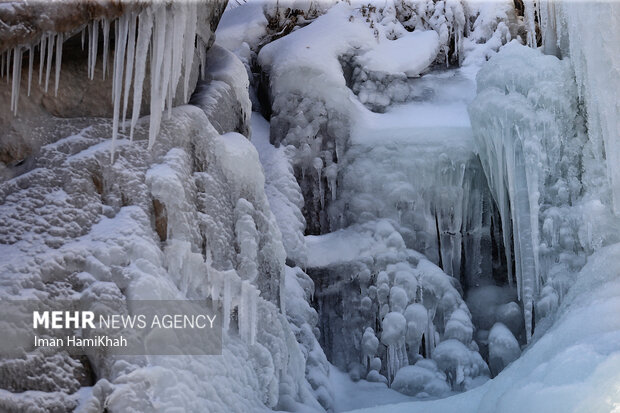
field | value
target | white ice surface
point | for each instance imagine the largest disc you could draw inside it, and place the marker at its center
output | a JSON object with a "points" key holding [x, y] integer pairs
{"points": [[352, 395]]}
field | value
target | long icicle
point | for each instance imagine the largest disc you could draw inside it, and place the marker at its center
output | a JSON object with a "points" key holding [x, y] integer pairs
{"points": [[145, 27], [42, 49], [117, 81], [8, 65], [106, 45], [157, 61], [30, 63], [17, 71], [190, 41], [50, 51], [59, 40], [131, 48]]}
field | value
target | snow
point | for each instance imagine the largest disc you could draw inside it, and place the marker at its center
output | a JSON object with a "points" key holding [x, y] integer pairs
{"points": [[242, 167], [410, 54], [244, 24], [282, 190], [352, 395]]}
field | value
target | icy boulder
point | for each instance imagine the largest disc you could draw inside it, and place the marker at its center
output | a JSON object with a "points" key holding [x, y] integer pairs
{"points": [[464, 367], [223, 92], [503, 348], [421, 47], [421, 379]]}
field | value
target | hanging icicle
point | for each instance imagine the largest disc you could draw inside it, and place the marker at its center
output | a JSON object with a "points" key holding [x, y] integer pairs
{"points": [[59, 40], [105, 23], [42, 49], [131, 47], [17, 70], [30, 63], [122, 25], [50, 50]]}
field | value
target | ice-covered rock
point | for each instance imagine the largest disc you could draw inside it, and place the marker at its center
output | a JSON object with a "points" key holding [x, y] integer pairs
{"points": [[503, 348], [421, 378]]}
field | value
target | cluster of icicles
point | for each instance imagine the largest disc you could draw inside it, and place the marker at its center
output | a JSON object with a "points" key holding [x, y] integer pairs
{"points": [[168, 30]]}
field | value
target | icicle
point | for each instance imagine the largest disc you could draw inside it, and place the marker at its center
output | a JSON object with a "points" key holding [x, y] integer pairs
{"points": [[50, 50], [188, 48], [117, 81], [93, 41], [83, 36], [166, 94], [30, 63], [2, 65], [106, 46], [530, 21], [145, 26], [17, 70], [253, 314], [157, 65], [226, 302], [8, 65], [131, 48], [42, 49], [59, 40], [243, 312], [179, 20]]}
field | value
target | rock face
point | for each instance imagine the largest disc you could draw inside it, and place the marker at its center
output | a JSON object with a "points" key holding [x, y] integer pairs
{"points": [[25, 21], [39, 104]]}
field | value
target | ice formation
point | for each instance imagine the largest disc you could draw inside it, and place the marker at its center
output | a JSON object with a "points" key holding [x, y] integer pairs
{"points": [[540, 165], [386, 301]]}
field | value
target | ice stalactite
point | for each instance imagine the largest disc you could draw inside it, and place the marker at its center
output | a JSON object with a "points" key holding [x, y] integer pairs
{"points": [[17, 70], [122, 26], [247, 312], [131, 52], [145, 28], [50, 50], [30, 63], [105, 25], [58, 61], [93, 43], [531, 14], [529, 148]]}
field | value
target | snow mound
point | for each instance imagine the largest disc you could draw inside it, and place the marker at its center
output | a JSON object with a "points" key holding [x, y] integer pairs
{"points": [[410, 54], [417, 379]]}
